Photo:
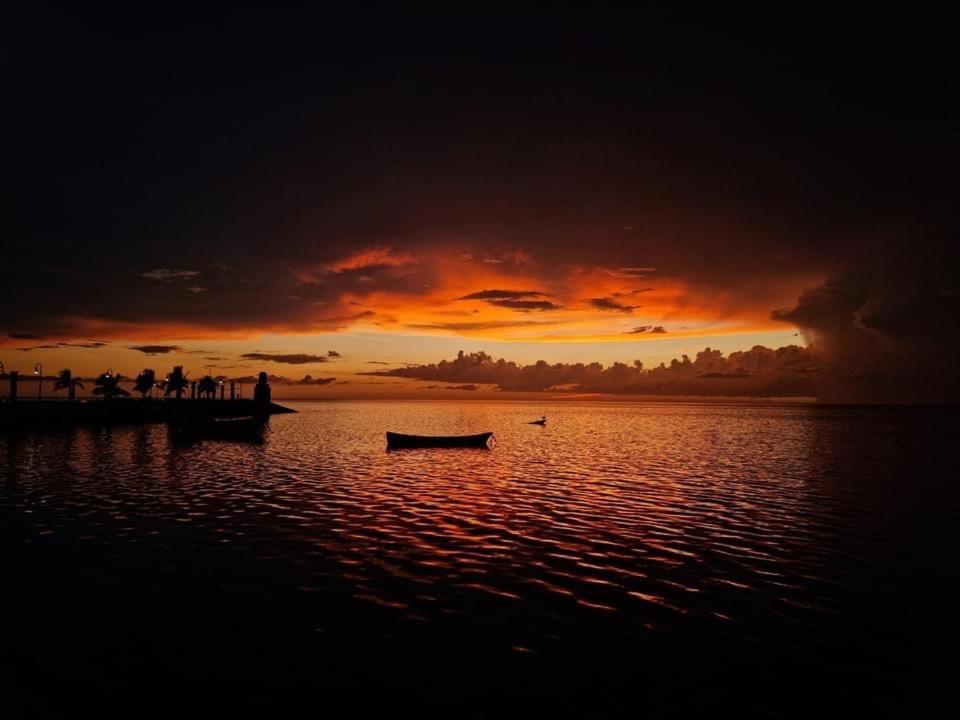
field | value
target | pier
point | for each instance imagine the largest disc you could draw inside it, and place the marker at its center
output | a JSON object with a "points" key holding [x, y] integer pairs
{"points": [[20, 413]]}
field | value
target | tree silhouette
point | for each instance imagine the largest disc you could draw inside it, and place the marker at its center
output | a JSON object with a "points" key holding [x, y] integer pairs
{"points": [[207, 386], [66, 380], [108, 385], [145, 382], [176, 382]]}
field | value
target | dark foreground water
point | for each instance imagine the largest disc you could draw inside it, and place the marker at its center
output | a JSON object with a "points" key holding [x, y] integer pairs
{"points": [[627, 559]]}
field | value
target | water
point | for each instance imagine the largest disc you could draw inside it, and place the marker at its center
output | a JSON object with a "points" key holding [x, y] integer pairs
{"points": [[626, 557]]}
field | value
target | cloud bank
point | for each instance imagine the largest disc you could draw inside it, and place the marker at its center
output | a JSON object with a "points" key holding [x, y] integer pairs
{"points": [[759, 372]]}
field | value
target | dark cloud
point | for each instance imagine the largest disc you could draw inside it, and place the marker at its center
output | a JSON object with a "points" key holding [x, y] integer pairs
{"points": [[609, 303], [888, 328], [309, 380], [289, 359], [333, 354], [646, 328], [380, 362], [758, 372], [521, 300], [24, 336], [631, 293], [526, 305], [462, 387], [155, 349], [501, 295], [479, 325], [91, 345], [166, 275]]}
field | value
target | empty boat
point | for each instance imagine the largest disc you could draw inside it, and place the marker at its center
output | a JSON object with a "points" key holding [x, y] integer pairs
{"points": [[397, 441]]}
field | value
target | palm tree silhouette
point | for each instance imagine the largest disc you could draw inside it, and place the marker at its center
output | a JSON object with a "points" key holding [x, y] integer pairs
{"points": [[176, 382], [207, 386], [108, 385], [145, 382], [66, 380]]}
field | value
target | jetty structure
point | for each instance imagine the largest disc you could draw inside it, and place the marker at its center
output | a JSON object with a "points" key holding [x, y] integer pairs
{"points": [[17, 412]]}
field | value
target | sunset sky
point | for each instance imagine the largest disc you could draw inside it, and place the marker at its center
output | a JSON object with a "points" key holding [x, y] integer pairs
{"points": [[248, 189]]}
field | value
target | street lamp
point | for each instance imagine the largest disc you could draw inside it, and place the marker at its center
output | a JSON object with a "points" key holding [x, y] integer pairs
{"points": [[38, 371]]}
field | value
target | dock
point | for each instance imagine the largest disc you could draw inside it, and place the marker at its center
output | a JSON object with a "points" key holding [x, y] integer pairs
{"points": [[34, 414]]}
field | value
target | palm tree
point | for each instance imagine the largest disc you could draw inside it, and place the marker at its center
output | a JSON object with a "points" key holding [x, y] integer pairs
{"points": [[207, 386], [108, 385], [176, 382], [66, 380], [145, 382]]}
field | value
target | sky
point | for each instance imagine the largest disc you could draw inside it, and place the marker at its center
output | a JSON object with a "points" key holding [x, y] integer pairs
{"points": [[253, 189]]}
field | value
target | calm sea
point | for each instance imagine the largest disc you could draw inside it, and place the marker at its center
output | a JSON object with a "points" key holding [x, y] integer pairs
{"points": [[627, 559]]}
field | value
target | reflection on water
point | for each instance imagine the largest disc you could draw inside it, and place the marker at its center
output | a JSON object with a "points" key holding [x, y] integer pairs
{"points": [[619, 537]]}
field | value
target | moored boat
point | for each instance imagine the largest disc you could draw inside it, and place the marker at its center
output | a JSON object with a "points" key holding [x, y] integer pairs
{"points": [[397, 441]]}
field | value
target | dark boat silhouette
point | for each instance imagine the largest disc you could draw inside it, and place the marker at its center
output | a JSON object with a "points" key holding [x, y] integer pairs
{"points": [[397, 441], [541, 421]]}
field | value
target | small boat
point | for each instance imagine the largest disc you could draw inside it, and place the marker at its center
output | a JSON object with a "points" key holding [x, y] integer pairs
{"points": [[397, 441], [541, 421]]}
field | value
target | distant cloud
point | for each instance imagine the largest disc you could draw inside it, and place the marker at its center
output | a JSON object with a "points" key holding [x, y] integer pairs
{"points": [[309, 380], [607, 303], [24, 336], [333, 353], [290, 359], [371, 258], [646, 328], [522, 300], [759, 372], [526, 305], [631, 293], [631, 273], [154, 349], [462, 387], [501, 295], [167, 275], [90, 345], [479, 325]]}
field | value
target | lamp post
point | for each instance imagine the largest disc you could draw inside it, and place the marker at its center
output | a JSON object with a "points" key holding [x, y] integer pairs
{"points": [[38, 371], [220, 382]]}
